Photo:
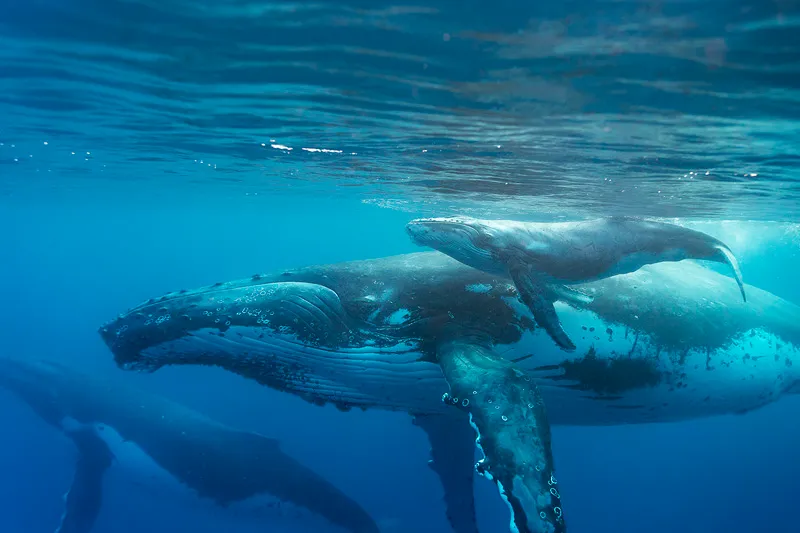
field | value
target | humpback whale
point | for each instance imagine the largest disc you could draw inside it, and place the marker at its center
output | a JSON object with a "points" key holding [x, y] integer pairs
{"points": [[542, 258], [115, 426], [457, 348]]}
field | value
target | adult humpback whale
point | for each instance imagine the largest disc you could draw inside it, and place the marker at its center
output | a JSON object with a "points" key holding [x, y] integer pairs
{"points": [[542, 258], [667, 342], [160, 442]]}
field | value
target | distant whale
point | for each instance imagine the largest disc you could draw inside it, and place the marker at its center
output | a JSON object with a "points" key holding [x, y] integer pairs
{"points": [[541, 258], [160, 442], [667, 342]]}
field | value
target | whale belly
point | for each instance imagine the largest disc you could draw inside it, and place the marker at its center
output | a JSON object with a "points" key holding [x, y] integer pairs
{"points": [[619, 376]]}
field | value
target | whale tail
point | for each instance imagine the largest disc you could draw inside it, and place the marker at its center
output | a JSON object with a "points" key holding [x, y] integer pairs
{"points": [[726, 256]]}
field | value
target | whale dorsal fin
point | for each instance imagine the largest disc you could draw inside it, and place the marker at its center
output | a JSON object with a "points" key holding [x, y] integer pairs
{"points": [[83, 500], [539, 298], [453, 460]]}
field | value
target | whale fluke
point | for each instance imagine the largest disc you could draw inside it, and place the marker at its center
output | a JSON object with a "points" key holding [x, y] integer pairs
{"points": [[508, 413]]}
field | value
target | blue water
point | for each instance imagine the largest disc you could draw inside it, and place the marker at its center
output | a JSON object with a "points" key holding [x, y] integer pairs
{"points": [[145, 148]]}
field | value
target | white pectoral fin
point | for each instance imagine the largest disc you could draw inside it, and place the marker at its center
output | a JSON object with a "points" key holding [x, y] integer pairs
{"points": [[84, 499], [571, 296], [509, 416], [453, 459]]}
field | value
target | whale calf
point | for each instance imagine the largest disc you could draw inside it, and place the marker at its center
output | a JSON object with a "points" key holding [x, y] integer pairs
{"points": [[541, 258], [412, 332], [157, 441]]}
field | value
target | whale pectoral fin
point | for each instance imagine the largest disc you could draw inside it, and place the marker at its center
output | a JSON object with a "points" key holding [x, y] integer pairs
{"points": [[85, 496], [453, 460], [570, 295], [726, 256], [508, 413], [539, 299]]}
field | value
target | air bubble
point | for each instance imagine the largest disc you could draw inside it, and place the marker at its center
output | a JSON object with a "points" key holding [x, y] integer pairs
{"points": [[505, 418]]}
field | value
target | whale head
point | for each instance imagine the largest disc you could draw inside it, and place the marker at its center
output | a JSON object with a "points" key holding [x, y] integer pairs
{"points": [[15, 374], [249, 322], [465, 239], [20, 374], [38, 382]]}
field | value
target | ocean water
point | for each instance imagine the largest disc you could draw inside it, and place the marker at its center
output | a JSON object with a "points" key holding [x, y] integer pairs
{"points": [[148, 147]]}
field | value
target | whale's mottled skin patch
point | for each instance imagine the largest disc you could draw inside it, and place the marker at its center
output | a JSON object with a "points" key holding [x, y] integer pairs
{"points": [[118, 427], [541, 258], [670, 341], [608, 376]]}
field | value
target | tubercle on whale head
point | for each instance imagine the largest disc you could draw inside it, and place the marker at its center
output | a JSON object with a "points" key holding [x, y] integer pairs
{"points": [[191, 328], [427, 230]]}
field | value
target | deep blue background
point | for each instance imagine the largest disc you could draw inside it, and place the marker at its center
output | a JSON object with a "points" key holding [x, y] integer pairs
{"points": [[72, 259]]}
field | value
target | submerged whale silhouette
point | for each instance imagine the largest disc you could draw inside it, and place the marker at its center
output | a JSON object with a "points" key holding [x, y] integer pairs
{"points": [[160, 442]]}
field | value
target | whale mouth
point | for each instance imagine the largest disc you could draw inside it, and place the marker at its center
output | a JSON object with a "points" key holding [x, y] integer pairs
{"points": [[166, 331], [290, 336]]}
